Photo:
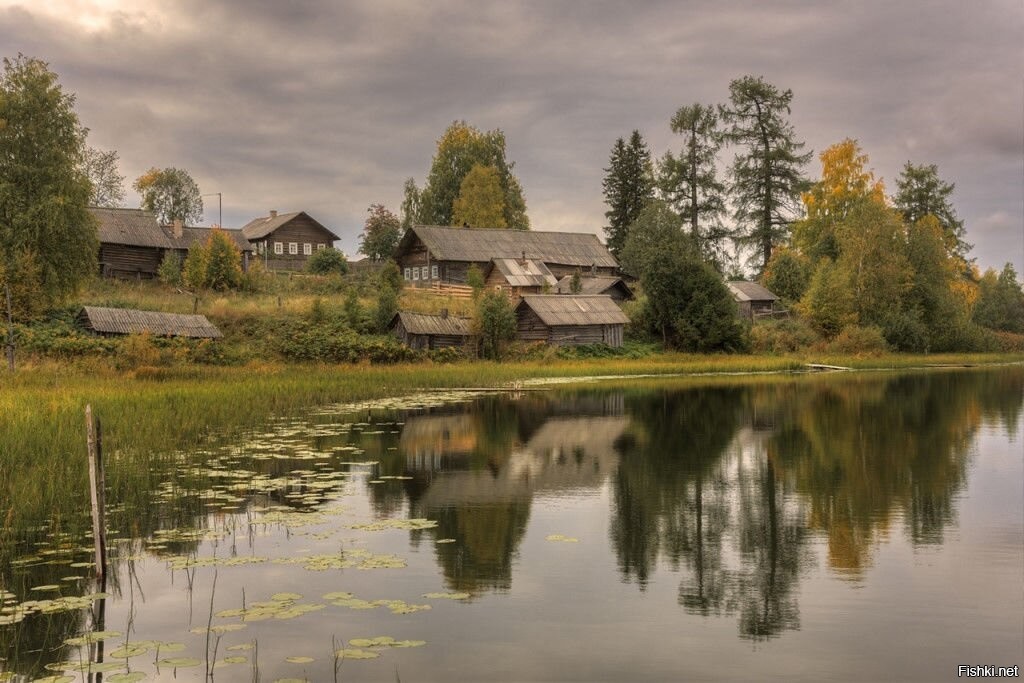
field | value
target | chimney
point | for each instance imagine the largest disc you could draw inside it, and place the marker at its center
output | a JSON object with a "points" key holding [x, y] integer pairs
{"points": [[523, 262], [444, 314], [273, 213], [593, 269], [178, 228]]}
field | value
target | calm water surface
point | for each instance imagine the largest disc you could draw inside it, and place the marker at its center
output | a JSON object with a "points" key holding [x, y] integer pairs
{"points": [[864, 527]]}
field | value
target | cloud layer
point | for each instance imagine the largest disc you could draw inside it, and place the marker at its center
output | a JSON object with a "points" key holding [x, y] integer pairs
{"points": [[328, 106]]}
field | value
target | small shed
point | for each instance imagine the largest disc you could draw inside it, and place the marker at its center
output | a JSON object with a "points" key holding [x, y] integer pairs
{"points": [[754, 300], [615, 287], [570, 320], [425, 331], [132, 321]]}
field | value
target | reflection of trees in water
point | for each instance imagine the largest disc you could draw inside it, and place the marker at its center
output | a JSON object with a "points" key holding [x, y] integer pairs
{"points": [[711, 475], [487, 539]]}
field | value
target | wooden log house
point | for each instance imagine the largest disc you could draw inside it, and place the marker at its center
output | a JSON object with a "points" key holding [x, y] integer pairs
{"points": [[615, 287], [427, 253], [286, 241], [423, 331], [570, 320], [753, 300]]}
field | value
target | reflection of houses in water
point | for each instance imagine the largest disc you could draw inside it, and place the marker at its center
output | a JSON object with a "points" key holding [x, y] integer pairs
{"points": [[438, 442], [564, 453]]}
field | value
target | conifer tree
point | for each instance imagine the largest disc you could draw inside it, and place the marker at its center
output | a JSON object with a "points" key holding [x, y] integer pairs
{"points": [[628, 186]]}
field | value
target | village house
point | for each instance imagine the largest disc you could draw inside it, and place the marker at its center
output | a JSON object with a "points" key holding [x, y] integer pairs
{"points": [[286, 241], [753, 299], [430, 254], [133, 243], [423, 331], [570, 320]]}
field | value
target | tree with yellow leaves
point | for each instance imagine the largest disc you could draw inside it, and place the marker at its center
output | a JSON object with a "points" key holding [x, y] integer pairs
{"points": [[481, 203]]}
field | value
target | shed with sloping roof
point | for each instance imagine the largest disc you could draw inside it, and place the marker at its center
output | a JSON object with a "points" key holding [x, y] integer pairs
{"points": [[520, 276], [430, 253], [132, 321], [425, 331], [132, 244], [753, 300], [570, 320], [286, 241]]}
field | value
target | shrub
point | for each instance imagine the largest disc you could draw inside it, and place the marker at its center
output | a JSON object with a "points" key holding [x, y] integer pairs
{"points": [[327, 262], [169, 271], [858, 340], [496, 324], [782, 336], [390, 275], [449, 354]]}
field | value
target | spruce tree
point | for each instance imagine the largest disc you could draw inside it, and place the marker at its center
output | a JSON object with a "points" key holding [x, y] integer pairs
{"points": [[919, 193], [767, 176], [628, 186]]}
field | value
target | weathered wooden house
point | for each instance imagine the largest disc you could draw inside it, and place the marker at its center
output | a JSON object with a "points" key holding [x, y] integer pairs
{"points": [[132, 321], [753, 299], [615, 287], [286, 241], [520, 276], [570, 320], [424, 331], [427, 253], [132, 243]]}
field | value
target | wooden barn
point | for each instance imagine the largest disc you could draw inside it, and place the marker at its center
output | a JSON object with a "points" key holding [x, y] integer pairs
{"points": [[132, 243], [753, 300], [423, 331], [427, 253], [615, 287], [132, 321], [570, 320], [286, 241]]}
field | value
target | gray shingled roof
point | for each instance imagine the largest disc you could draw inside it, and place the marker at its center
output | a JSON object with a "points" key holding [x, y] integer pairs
{"points": [[529, 274], [132, 321], [575, 309], [749, 291], [481, 245], [258, 228], [592, 285], [422, 323], [131, 227]]}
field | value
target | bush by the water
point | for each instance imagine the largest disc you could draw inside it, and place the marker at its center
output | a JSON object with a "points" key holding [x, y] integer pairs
{"points": [[782, 336]]}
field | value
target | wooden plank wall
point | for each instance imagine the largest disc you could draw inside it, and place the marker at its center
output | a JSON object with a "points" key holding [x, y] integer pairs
{"points": [[121, 261]]}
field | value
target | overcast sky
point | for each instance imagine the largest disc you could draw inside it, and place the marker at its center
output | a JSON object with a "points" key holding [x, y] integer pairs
{"points": [[328, 106]]}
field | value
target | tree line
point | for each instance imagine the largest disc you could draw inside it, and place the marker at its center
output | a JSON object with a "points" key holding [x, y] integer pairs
{"points": [[846, 257]]}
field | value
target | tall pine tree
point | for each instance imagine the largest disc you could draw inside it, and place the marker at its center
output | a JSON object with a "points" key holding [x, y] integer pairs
{"points": [[689, 181], [767, 176], [919, 193], [628, 186]]}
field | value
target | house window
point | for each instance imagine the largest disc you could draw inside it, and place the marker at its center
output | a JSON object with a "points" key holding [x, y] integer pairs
{"points": [[424, 271], [307, 249], [433, 272], [415, 273], [408, 274], [293, 248], [321, 246], [278, 247]]}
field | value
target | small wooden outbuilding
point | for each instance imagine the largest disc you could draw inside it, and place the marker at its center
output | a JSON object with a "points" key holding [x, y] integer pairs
{"points": [[570, 320], [753, 299], [425, 331], [520, 276], [132, 321]]}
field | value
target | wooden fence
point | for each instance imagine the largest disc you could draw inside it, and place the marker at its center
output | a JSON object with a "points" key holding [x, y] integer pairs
{"points": [[454, 291]]}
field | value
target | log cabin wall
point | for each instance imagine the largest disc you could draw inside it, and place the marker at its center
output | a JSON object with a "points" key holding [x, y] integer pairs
{"points": [[128, 262], [300, 232]]}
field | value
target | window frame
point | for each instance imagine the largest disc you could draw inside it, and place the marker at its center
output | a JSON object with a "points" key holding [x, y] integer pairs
{"points": [[293, 248], [279, 248]]}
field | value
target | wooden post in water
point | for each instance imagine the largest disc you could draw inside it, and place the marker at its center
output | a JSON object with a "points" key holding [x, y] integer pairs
{"points": [[97, 486]]}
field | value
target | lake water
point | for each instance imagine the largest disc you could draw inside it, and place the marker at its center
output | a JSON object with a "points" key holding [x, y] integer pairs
{"points": [[844, 527]]}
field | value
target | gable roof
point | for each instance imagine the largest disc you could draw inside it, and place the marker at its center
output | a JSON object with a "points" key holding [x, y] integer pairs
{"points": [[749, 291], [423, 323], [581, 249], [130, 227], [597, 284], [131, 321], [530, 273], [258, 228], [574, 309]]}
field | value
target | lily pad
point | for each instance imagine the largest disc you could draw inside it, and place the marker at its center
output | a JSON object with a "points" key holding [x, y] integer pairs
{"points": [[129, 650], [132, 677], [447, 596], [357, 654], [299, 660], [561, 538], [180, 662]]}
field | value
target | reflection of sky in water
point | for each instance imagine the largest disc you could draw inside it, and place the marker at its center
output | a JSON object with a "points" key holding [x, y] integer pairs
{"points": [[721, 531]]}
